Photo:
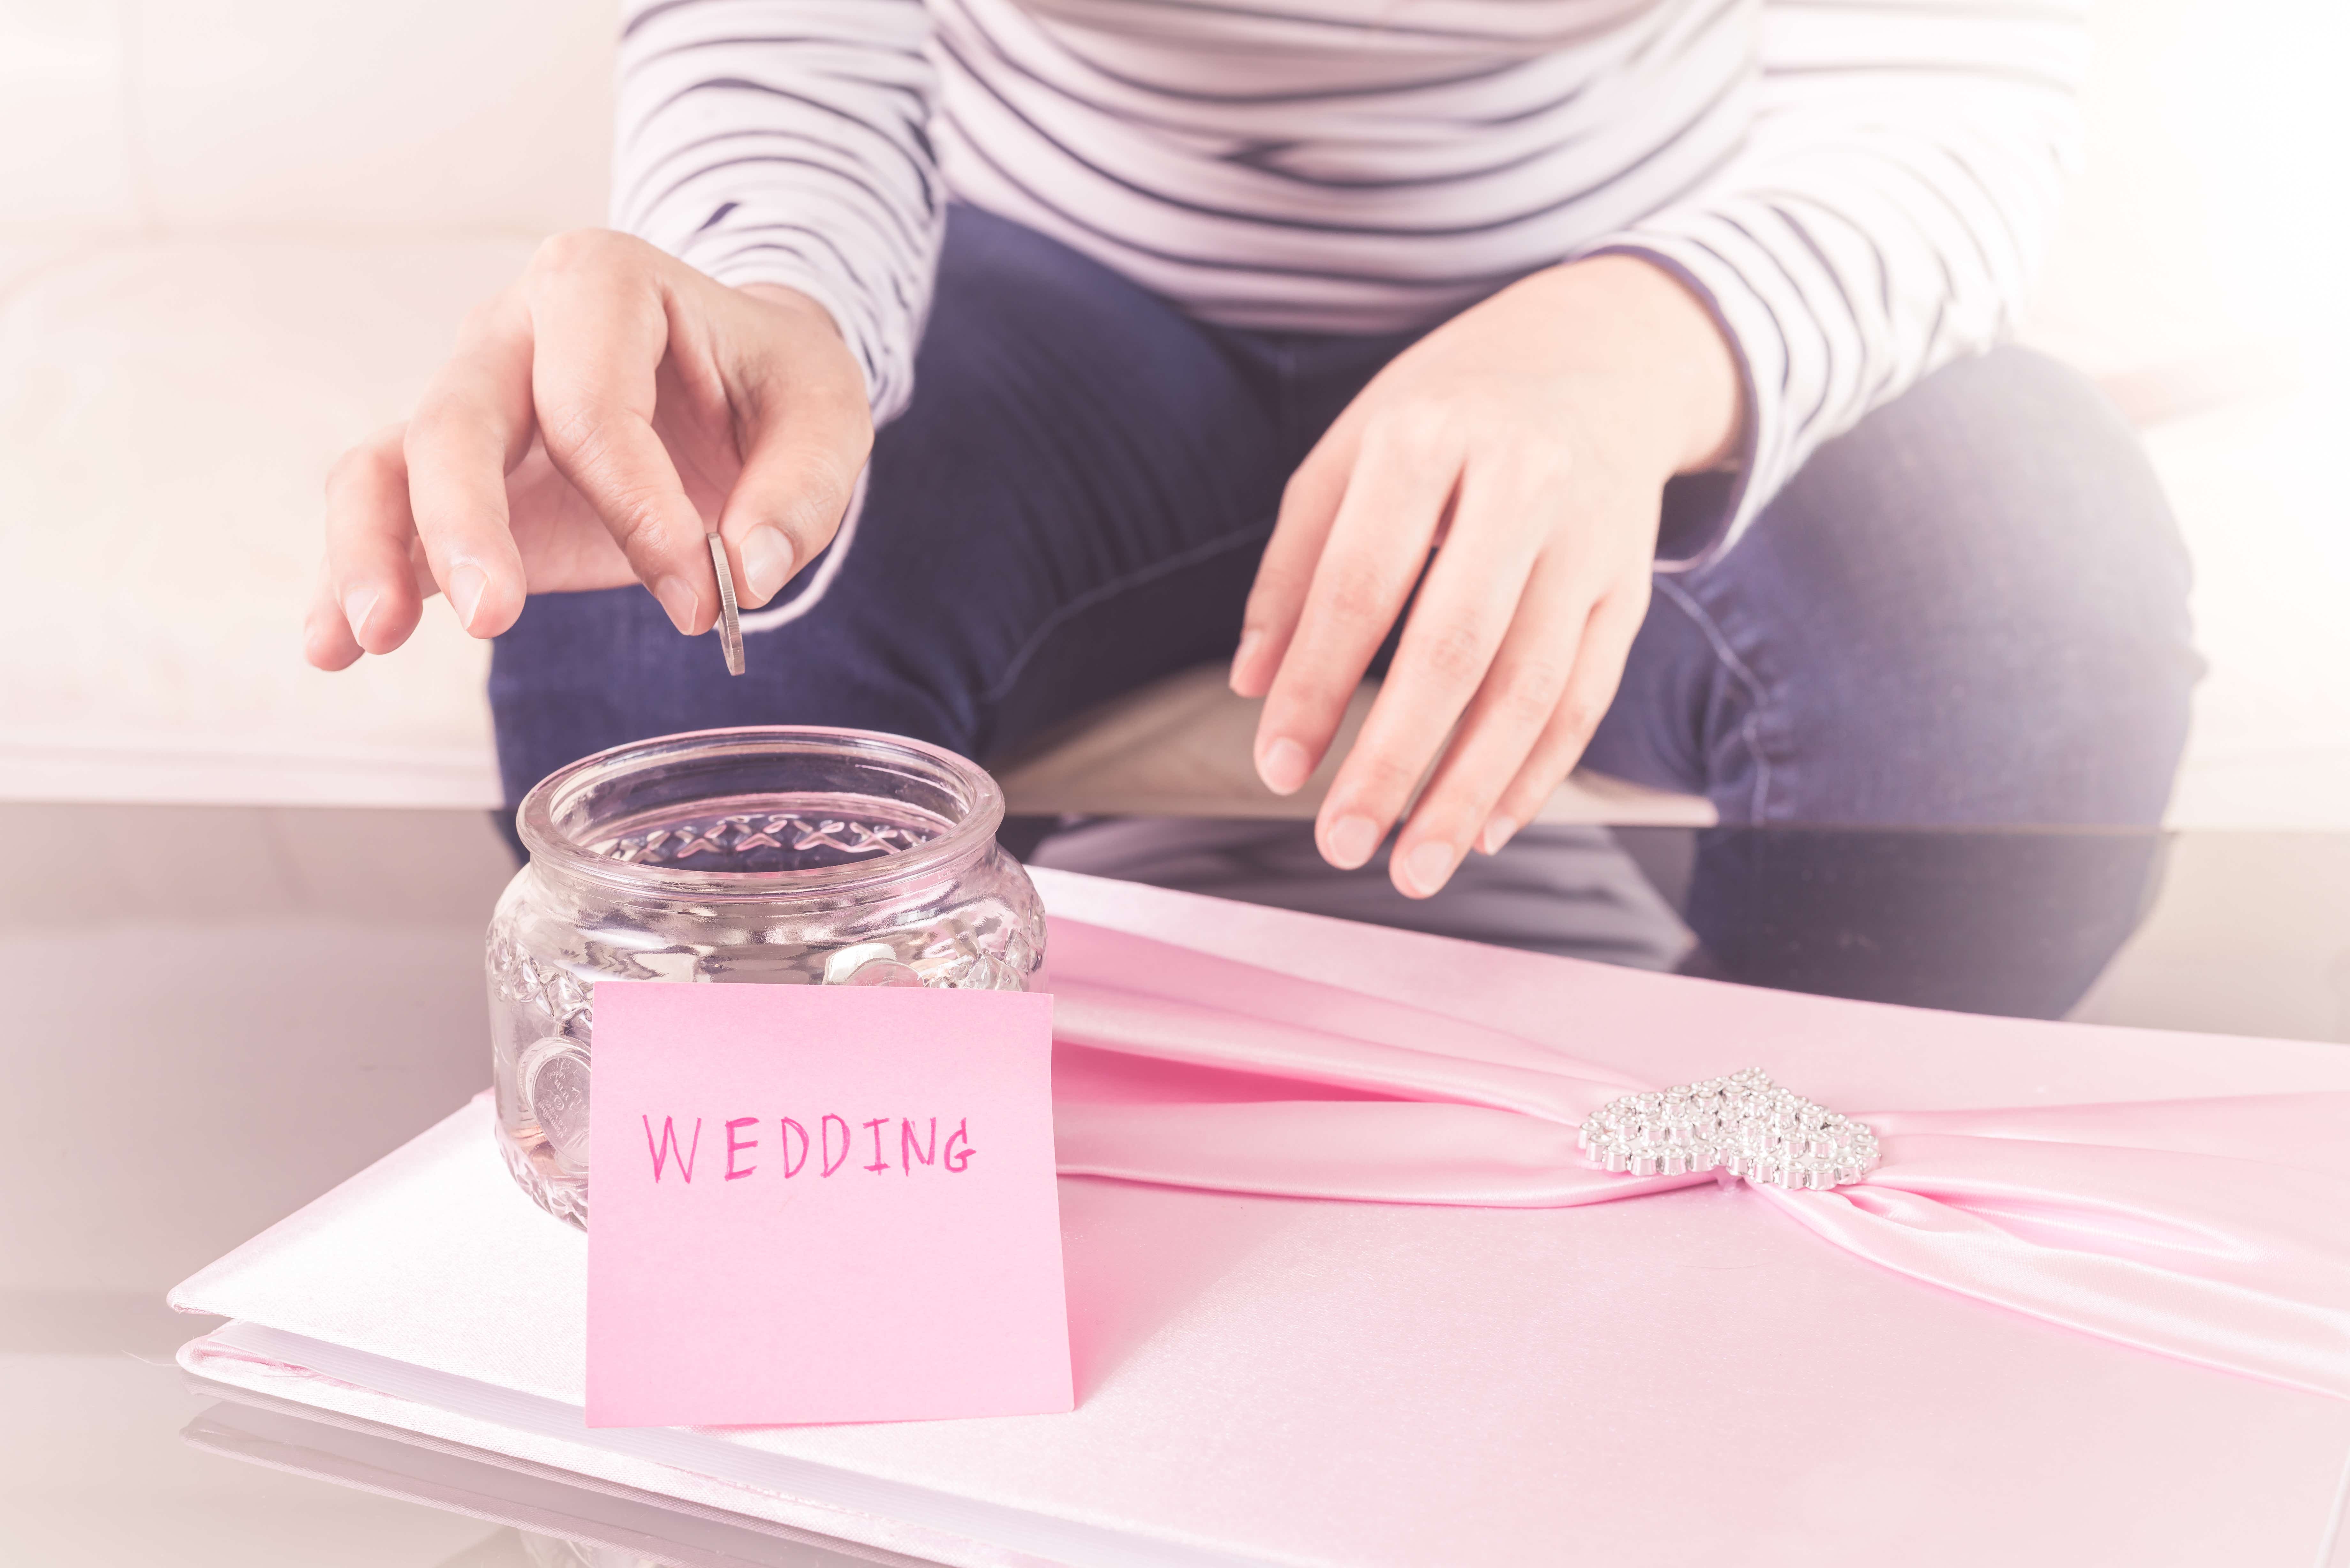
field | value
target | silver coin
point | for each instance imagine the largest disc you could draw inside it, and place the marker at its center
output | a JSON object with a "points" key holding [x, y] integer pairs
{"points": [[730, 615]]}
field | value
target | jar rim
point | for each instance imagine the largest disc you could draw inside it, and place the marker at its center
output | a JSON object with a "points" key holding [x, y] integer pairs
{"points": [[537, 819]]}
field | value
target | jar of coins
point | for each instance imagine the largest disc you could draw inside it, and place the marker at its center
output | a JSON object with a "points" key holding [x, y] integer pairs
{"points": [[775, 856]]}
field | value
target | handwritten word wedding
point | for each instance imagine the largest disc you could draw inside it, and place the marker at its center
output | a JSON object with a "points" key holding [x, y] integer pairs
{"points": [[785, 1148]]}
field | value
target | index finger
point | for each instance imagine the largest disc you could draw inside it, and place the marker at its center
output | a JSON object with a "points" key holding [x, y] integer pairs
{"points": [[600, 327], [473, 424], [1284, 574], [1377, 546]]}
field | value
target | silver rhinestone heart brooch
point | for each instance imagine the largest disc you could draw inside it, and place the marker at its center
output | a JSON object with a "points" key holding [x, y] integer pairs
{"points": [[1743, 1125]]}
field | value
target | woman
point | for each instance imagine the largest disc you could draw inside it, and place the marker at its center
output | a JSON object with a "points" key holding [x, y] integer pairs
{"points": [[1192, 330]]}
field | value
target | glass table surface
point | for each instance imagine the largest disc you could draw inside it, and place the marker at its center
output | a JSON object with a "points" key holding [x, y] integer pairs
{"points": [[220, 1012]]}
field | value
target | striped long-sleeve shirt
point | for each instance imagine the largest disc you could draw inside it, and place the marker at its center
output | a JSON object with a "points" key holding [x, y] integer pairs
{"points": [[1858, 188]]}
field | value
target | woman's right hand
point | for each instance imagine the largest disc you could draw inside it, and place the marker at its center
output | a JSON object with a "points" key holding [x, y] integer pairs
{"points": [[597, 421]]}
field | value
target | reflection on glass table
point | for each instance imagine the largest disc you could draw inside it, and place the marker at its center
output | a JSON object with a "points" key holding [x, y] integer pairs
{"points": [[553, 1519], [2012, 921]]}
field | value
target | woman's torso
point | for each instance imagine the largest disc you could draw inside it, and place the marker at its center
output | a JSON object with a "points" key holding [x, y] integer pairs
{"points": [[1337, 165]]}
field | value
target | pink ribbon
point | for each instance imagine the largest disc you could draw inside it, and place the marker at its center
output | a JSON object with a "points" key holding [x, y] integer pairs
{"points": [[2215, 1230]]}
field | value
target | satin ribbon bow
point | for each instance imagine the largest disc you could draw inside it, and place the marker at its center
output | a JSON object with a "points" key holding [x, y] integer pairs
{"points": [[2215, 1231]]}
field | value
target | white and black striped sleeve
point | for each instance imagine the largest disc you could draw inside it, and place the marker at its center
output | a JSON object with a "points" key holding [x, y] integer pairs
{"points": [[1896, 190], [787, 141]]}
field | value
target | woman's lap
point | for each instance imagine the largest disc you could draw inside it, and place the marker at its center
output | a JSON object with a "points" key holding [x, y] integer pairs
{"points": [[1967, 611]]}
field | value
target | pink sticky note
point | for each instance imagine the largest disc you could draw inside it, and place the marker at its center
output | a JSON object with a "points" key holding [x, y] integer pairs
{"points": [[822, 1203]]}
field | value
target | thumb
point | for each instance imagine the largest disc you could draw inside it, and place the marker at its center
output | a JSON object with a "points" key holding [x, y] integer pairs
{"points": [[807, 443]]}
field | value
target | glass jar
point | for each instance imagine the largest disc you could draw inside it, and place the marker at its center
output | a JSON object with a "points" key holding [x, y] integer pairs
{"points": [[778, 856]]}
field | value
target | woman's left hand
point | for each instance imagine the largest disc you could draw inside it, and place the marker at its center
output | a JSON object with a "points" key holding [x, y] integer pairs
{"points": [[1527, 442]]}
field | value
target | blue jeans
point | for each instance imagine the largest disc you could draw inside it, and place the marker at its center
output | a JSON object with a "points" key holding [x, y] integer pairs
{"points": [[1969, 612]]}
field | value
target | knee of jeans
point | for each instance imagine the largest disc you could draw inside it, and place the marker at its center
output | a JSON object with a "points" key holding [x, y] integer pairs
{"points": [[1986, 605]]}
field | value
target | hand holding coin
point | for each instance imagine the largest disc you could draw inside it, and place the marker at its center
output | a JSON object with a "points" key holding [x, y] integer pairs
{"points": [[597, 418]]}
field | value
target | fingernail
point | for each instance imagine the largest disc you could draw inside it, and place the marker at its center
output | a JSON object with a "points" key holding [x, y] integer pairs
{"points": [[1498, 829], [360, 603], [1350, 841], [678, 596], [1284, 767], [1426, 868], [467, 584], [766, 562], [1249, 644]]}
